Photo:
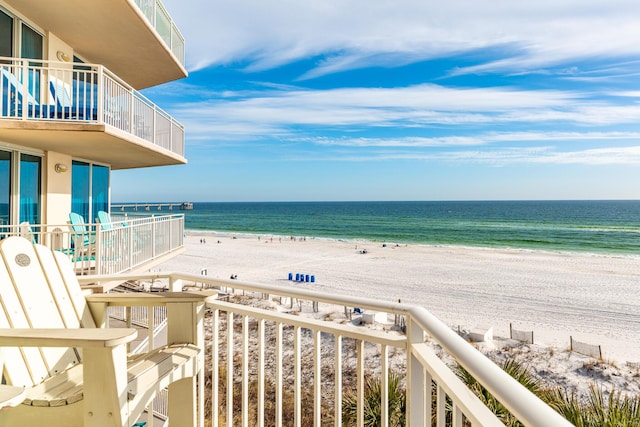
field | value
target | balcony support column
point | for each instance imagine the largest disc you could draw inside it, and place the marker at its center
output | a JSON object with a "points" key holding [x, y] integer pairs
{"points": [[338, 382], [297, 376], [360, 382], [215, 369], [317, 380], [279, 360], [416, 409]]}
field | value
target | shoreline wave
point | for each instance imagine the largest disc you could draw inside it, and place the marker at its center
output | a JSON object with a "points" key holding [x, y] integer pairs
{"points": [[252, 235]]}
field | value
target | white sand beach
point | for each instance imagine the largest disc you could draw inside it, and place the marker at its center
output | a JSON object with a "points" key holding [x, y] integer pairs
{"points": [[593, 298]]}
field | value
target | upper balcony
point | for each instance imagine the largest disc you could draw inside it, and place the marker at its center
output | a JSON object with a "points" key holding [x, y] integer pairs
{"points": [[136, 39], [85, 111]]}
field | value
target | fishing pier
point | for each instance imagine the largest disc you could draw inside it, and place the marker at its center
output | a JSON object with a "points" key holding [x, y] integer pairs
{"points": [[135, 207]]}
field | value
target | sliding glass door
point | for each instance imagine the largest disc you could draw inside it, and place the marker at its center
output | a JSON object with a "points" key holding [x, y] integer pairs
{"points": [[6, 35], [80, 189], [99, 189], [31, 47], [89, 189], [20, 188]]}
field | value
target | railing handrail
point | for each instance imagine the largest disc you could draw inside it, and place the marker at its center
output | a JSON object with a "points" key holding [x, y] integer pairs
{"points": [[516, 398], [68, 66], [122, 245]]}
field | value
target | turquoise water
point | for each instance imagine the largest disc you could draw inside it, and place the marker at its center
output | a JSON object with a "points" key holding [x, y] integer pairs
{"points": [[576, 226]]}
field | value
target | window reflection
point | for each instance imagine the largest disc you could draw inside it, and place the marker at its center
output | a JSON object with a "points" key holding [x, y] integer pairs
{"points": [[5, 186], [30, 188]]}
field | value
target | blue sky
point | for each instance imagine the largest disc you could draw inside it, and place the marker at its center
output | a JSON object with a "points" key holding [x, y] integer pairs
{"points": [[291, 100]]}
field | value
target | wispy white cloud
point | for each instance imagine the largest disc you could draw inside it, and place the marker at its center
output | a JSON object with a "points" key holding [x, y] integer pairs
{"points": [[508, 156], [548, 155], [286, 110], [356, 33], [475, 140]]}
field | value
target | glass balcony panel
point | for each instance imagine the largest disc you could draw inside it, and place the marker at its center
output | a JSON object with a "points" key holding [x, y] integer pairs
{"points": [[163, 25], [160, 19], [147, 7], [177, 44]]}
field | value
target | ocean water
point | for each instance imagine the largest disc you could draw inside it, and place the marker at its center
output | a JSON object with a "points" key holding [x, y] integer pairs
{"points": [[575, 226]]}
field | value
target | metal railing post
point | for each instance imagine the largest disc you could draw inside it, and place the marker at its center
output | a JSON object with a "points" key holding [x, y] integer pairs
{"points": [[99, 249], [153, 236], [131, 112], [131, 230], [102, 93], [24, 67], [154, 127]]}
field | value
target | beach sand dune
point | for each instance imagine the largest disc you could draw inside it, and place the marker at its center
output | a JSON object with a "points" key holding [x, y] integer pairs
{"points": [[593, 298]]}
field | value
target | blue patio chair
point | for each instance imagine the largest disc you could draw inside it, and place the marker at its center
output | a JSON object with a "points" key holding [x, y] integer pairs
{"points": [[14, 99], [105, 220], [114, 240], [106, 223], [84, 240], [79, 226]]}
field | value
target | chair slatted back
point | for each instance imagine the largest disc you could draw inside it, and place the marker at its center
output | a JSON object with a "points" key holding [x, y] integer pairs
{"points": [[16, 370], [105, 220], [57, 286], [77, 223], [72, 287], [28, 302]]}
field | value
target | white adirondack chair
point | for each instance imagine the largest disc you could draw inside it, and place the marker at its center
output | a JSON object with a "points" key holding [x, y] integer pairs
{"points": [[74, 371]]}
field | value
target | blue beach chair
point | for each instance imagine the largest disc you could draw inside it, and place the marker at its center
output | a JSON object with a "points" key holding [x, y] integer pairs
{"points": [[64, 106], [83, 239]]}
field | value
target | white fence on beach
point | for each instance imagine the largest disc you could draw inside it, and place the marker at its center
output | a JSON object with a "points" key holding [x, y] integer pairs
{"points": [[522, 336], [586, 349]]}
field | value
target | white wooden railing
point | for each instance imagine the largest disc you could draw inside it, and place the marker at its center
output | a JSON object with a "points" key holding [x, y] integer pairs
{"points": [[60, 91], [257, 349], [126, 243]]}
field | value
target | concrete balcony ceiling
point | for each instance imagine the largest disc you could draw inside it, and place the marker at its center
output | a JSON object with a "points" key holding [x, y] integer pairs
{"points": [[113, 33], [95, 141]]}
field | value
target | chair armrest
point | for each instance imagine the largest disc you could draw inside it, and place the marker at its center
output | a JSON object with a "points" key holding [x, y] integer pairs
{"points": [[142, 299], [82, 337], [185, 311], [11, 396]]}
